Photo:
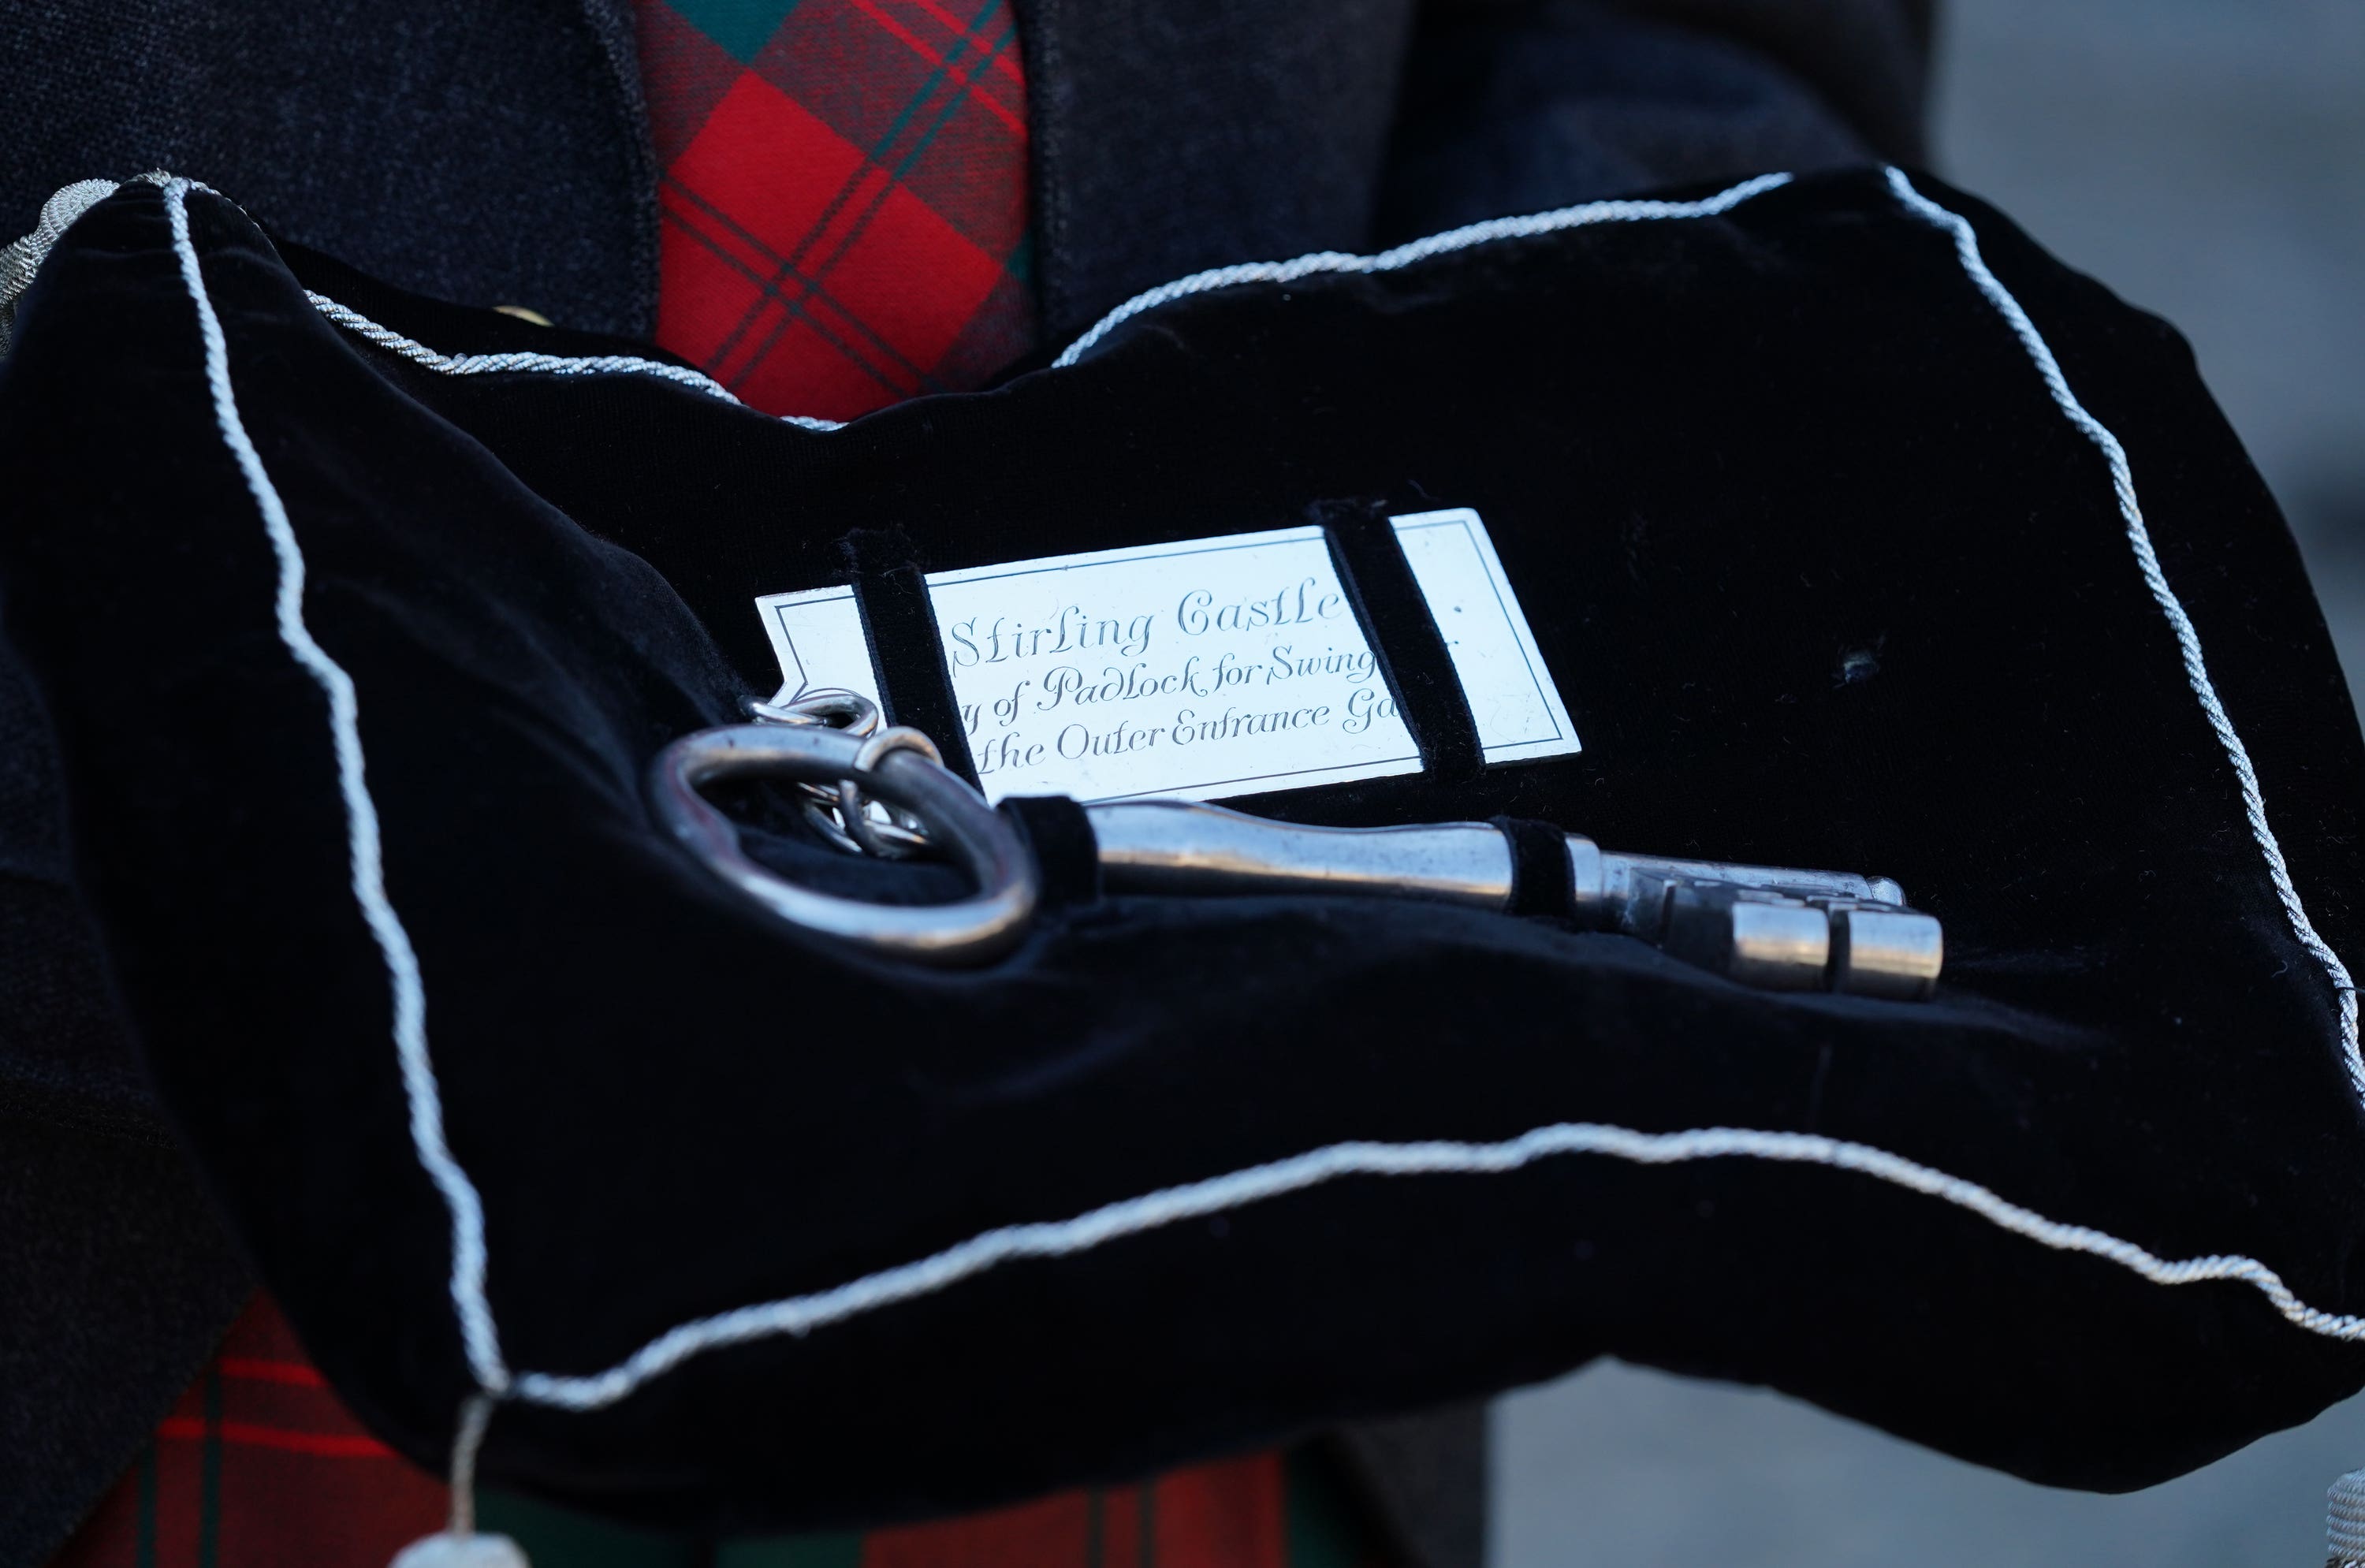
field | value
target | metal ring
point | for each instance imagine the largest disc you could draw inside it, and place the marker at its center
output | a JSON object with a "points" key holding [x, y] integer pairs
{"points": [[903, 737], [840, 709], [821, 816], [981, 926], [833, 706], [900, 837], [903, 837]]}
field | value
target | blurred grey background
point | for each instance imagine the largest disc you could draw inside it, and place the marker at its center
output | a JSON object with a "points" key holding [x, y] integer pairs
{"points": [[2205, 159]]}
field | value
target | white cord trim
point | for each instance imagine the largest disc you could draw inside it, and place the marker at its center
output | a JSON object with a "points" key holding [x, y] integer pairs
{"points": [[2188, 640], [1164, 294], [363, 848], [802, 1315], [419, 354], [1197, 283], [1420, 250]]}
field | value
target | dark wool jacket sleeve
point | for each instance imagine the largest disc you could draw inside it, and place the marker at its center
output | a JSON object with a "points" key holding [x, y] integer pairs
{"points": [[496, 153]]}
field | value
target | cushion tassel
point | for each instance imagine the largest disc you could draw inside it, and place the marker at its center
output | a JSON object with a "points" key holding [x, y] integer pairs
{"points": [[2343, 1524]]}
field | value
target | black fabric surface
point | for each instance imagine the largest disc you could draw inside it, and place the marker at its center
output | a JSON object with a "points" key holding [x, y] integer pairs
{"points": [[1066, 857], [1424, 1479], [1266, 138], [116, 1281], [64, 1058], [1721, 461], [1516, 106], [1404, 636], [888, 570], [1869, 59], [118, 1286], [488, 153], [1541, 883]]}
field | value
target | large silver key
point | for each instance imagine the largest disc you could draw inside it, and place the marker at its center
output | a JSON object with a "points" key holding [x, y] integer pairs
{"points": [[1777, 928]]}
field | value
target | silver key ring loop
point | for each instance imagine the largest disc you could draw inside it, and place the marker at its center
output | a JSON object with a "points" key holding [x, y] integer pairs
{"points": [[956, 818], [889, 840], [833, 706], [829, 809]]}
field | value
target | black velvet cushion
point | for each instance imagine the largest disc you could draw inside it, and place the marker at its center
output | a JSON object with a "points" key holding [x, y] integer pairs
{"points": [[1826, 574]]}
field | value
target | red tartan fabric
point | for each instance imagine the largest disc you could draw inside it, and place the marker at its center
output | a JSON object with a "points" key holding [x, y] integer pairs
{"points": [[260, 1466], [844, 201]]}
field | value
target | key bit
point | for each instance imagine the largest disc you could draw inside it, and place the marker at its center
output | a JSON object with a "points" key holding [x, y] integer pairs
{"points": [[1778, 928]]}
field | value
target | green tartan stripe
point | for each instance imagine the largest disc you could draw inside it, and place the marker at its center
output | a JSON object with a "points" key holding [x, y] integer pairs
{"points": [[553, 1537], [827, 1549], [742, 27], [209, 1510], [1322, 1530], [147, 1557]]}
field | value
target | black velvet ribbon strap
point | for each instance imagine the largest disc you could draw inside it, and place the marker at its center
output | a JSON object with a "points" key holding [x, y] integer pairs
{"points": [[1541, 883], [1067, 854], [893, 591], [1411, 650]]}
